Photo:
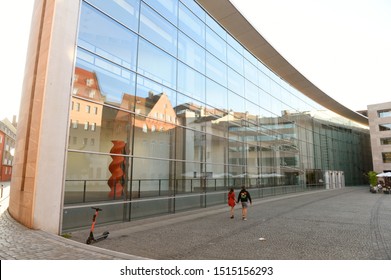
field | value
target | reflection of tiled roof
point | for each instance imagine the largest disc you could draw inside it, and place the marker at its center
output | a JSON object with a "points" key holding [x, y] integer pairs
{"points": [[158, 104], [85, 81]]}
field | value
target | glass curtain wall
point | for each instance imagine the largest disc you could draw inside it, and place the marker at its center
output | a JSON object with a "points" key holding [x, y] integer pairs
{"points": [[169, 111]]}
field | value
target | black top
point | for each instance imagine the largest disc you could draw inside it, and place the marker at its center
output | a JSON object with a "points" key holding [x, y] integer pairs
{"points": [[244, 196]]}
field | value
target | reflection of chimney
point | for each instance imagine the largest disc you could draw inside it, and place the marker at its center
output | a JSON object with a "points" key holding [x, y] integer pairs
{"points": [[150, 94]]}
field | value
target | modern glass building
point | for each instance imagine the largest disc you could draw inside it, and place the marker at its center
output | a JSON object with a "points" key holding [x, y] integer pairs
{"points": [[171, 103]]}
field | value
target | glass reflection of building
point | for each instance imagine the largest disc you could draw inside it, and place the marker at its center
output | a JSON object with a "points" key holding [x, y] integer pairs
{"points": [[197, 114]]}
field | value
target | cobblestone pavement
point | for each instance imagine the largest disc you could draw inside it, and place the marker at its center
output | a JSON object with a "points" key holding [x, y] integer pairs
{"points": [[349, 223], [343, 224], [20, 243]]}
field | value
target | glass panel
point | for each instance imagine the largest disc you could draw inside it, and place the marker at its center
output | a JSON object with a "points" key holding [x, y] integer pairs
{"points": [[216, 95], [197, 10], [191, 82], [144, 209], [216, 70], [248, 55], [102, 36], [102, 81], [188, 110], [236, 103], [253, 111], [157, 30], [191, 53], [216, 45], [251, 92], [235, 82], [235, 60], [152, 60], [125, 11], [155, 100], [89, 178], [167, 8], [108, 125], [154, 138], [250, 72], [191, 25], [235, 45], [76, 218], [151, 181], [264, 82], [216, 27], [190, 147], [216, 149]]}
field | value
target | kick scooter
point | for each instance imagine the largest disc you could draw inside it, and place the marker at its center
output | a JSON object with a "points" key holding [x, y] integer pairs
{"points": [[91, 238]]}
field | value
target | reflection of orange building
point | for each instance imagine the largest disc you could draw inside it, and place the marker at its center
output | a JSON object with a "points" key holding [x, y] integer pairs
{"points": [[86, 111], [161, 116], [93, 127]]}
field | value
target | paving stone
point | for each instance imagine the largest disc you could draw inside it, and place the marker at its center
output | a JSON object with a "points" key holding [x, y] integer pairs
{"points": [[344, 224]]}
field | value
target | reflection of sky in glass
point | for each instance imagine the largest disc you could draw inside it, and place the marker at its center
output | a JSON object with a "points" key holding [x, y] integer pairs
{"points": [[158, 30], [168, 8], [113, 80], [125, 11], [156, 64], [216, 45], [102, 36], [191, 25], [191, 82], [191, 53]]}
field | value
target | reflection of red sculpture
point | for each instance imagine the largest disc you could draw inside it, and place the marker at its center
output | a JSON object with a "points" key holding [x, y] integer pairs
{"points": [[116, 169]]}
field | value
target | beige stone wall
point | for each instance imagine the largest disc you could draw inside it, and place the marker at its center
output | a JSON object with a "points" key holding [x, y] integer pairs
{"points": [[37, 182], [377, 149]]}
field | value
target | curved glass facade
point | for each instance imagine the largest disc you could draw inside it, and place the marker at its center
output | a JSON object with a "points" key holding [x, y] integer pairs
{"points": [[169, 111]]}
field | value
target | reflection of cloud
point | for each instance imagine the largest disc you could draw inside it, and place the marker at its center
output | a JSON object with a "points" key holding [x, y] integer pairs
{"points": [[261, 175], [222, 175], [270, 175]]}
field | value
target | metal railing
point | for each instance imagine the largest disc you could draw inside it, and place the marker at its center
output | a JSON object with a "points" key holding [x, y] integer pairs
{"points": [[154, 197]]}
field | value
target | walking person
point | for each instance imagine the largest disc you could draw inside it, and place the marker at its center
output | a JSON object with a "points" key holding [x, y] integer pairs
{"points": [[231, 201], [244, 197]]}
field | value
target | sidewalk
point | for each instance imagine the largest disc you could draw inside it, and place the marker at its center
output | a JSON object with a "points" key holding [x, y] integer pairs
{"points": [[343, 224], [4, 197], [20, 243]]}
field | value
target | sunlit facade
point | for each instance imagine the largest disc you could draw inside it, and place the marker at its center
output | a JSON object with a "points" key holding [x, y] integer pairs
{"points": [[379, 116], [168, 111]]}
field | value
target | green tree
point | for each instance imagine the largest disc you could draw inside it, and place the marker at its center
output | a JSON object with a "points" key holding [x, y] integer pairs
{"points": [[372, 178]]}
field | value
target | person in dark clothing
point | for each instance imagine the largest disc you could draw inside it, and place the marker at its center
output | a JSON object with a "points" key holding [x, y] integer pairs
{"points": [[244, 197]]}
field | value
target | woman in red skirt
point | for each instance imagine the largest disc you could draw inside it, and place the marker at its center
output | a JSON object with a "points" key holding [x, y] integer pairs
{"points": [[231, 201]]}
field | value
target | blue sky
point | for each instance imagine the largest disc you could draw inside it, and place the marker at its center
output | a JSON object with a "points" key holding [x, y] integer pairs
{"points": [[342, 46]]}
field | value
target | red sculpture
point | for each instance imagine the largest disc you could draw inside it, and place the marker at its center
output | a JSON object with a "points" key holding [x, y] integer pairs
{"points": [[116, 168]]}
